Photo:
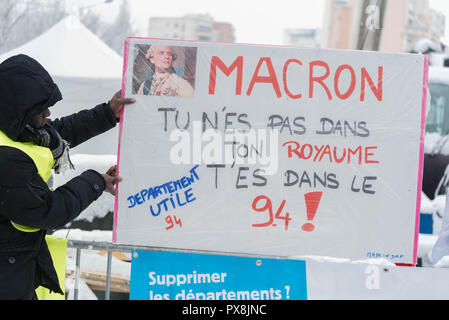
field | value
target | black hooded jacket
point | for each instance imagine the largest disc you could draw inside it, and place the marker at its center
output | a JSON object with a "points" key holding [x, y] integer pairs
{"points": [[26, 89]]}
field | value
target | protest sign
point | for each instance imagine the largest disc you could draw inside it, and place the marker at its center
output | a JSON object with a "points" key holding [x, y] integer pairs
{"points": [[181, 276], [184, 276], [271, 150]]}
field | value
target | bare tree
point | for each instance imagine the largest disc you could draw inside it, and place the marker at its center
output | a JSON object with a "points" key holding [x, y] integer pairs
{"points": [[115, 33], [92, 21], [23, 20], [43, 14], [10, 16], [112, 33]]}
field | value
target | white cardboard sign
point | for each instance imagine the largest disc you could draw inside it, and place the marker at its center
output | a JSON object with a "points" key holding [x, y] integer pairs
{"points": [[271, 150]]}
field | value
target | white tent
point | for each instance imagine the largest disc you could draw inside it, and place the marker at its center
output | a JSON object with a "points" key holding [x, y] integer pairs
{"points": [[86, 70], [69, 49]]}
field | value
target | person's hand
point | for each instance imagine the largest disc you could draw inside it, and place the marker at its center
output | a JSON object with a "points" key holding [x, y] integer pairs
{"points": [[111, 179], [117, 102]]}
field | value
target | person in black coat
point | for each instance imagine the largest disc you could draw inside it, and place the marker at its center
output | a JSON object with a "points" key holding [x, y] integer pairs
{"points": [[27, 92]]}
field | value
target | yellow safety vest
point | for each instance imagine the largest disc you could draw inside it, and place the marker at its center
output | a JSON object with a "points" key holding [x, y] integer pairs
{"points": [[42, 158]]}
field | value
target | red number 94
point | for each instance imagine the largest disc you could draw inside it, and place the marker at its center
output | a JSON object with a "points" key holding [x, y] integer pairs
{"points": [[263, 203]]}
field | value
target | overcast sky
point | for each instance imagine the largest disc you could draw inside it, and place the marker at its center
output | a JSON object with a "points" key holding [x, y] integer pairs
{"points": [[255, 21], [442, 6]]}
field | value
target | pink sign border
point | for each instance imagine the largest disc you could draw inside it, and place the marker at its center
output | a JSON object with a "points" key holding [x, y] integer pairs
{"points": [[125, 67], [421, 145], [421, 156]]}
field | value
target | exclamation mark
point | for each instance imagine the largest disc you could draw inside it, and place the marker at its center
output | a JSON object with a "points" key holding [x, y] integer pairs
{"points": [[312, 203], [287, 291]]}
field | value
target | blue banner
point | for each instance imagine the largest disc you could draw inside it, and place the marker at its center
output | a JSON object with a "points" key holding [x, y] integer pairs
{"points": [[184, 276]]}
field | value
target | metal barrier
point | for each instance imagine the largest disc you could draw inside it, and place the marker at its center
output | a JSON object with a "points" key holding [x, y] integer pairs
{"points": [[104, 246], [92, 245], [111, 247]]}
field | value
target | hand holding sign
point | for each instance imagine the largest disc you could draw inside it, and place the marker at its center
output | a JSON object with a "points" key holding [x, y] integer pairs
{"points": [[117, 102], [111, 179]]}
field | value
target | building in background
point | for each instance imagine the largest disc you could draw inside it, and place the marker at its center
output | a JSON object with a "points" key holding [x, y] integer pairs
{"points": [[201, 27], [302, 37], [399, 24], [225, 31], [408, 22], [339, 24]]}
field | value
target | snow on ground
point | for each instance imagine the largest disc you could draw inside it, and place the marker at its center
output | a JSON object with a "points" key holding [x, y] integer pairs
{"points": [[83, 162], [443, 263], [90, 260], [83, 235], [431, 142], [434, 143], [439, 75], [84, 292]]}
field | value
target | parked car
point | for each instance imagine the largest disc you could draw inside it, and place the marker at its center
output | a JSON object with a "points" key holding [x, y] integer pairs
{"points": [[436, 144]]}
